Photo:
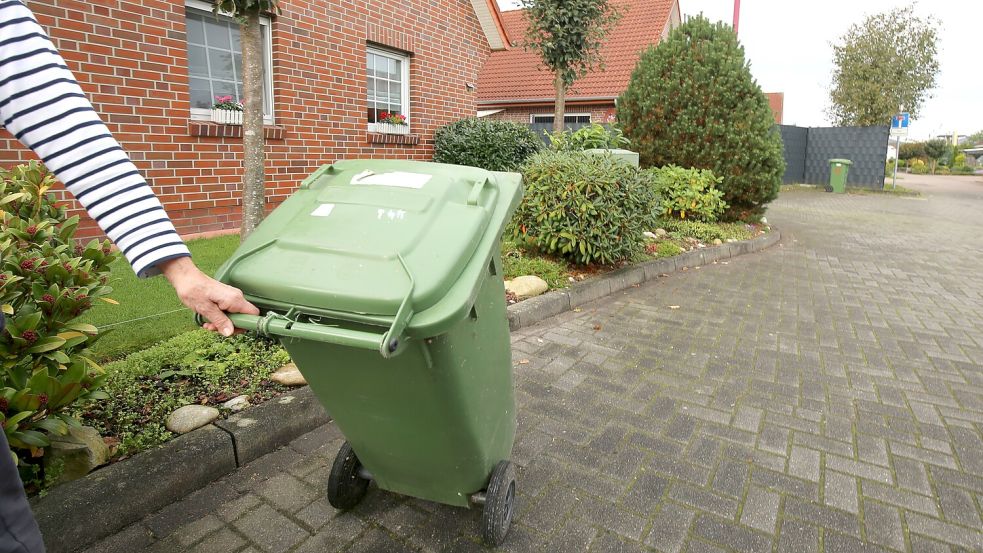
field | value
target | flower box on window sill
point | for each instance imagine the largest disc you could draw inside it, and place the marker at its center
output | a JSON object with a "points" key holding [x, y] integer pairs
{"points": [[227, 116], [388, 128]]}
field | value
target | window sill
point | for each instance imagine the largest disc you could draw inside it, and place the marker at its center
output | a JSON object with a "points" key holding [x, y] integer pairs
{"points": [[402, 139], [218, 130]]}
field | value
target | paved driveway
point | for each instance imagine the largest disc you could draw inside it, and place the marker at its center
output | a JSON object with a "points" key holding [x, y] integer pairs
{"points": [[824, 395]]}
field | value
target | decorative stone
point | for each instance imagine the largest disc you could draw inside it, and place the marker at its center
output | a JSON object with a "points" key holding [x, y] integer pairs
{"points": [[717, 242], [237, 403], [75, 454], [731, 240], [289, 375], [190, 417], [661, 232], [651, 235], [527, 286]]}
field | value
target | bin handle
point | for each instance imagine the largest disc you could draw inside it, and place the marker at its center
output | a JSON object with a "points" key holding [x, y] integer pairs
{"points": [[475, 194], [274, 324]]}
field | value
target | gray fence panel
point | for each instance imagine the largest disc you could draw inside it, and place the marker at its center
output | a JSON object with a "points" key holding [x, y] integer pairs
{"points": [[795, 141], [866, 147]]}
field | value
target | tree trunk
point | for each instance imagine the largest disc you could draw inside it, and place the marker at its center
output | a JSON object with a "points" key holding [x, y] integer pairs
{"points": [[253, 138], [561, 91]]}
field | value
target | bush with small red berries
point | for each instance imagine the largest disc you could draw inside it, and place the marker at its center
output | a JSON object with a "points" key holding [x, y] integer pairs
{"points": [[47, 280]]}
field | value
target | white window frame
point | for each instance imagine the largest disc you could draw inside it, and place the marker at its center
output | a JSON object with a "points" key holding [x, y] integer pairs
{"points": [[532, 117], [405, 78], [202, 114]]}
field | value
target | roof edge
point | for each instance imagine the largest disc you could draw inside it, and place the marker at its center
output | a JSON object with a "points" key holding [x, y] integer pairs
{"points": [[550, 100], [490, 19]]}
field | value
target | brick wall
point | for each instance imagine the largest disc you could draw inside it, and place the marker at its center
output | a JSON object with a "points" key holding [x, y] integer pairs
{"points": [[600, 113], [131, 59]]}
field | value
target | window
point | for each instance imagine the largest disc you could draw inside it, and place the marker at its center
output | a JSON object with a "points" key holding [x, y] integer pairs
{"points": [[568, 118], [388, 84], [215, 60]]}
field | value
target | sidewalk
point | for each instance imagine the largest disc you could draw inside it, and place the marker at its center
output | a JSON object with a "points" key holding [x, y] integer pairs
{"points": [[822, 395]]}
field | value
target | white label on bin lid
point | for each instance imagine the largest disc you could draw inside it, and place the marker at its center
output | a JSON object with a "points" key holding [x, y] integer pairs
{"points": [[401, 179], [323, 210]]}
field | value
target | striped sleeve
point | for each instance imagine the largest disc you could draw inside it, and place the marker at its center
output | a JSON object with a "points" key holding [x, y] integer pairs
{"points": [[42, 105]]}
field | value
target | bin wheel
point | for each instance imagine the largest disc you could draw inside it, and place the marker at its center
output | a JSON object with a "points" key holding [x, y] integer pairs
{"points": [[499, 504], [345, 487]]}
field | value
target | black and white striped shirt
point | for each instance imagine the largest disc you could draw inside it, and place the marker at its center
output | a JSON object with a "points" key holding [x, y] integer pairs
{"points": [[43, 106]]}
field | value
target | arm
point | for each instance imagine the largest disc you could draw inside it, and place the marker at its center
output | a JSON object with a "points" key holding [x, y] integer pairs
{"points": [[44, 108]]}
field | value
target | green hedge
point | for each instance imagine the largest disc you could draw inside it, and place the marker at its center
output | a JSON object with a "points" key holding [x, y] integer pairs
{"points": [[491, 145]]}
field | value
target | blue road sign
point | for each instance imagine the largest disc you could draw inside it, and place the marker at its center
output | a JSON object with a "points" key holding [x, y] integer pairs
{"points": [[899, 125]]}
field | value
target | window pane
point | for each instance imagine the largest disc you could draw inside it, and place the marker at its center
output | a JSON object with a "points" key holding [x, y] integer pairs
{"points": [[201, 93], [238, 65], [217, 34], [196, 30], [236, 42], [370, 91], [197, 63], [221, 64], [226, 88], [394, 70]]}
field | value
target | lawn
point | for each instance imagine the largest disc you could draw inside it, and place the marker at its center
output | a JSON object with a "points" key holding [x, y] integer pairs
{"points": [[149, 310]]}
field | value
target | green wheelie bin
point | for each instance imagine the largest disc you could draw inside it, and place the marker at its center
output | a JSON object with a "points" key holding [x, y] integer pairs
{"points": [[838, 170], [383, 280]]}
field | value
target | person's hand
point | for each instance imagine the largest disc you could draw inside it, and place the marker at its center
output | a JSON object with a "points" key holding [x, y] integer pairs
{"points": [[205, 295]]}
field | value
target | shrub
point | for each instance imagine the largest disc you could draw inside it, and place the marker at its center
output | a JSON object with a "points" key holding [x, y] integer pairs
{"points": [[692, 102], [962, 170], [688, 193], [583, 207], [589, 137], [46, 281], [942, 170], [491, 145], [919, 169]]}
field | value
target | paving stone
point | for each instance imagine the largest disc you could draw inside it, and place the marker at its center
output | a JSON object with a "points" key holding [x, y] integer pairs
{"points": [[269, 530], [958, 506], [132, 538], [859, 469], [733, 536], [839, 543], [883, 525], [796, 536], [944, 532], [730, 478], [286, 493], [760, 509], [670, 527], [222, 541], [900, 498], [804, 464], [704, 500], [824, 516], [841, 492]]}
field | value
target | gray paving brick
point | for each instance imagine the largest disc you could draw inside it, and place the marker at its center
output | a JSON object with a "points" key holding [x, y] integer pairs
{"points": [[841, 492], [730, 478], [944, 532], [704, 500], [804, 464], [911, 475], [859, 469], [670, 527], [883, 525], [774, 439], [824, 516], [748, 418], [900, 498], [760, 509], [222, 541], [733, 536], [576, 535], [796, 536], [923, 455], [839, 543], [958, 506], [808, 491], [645, 493], [921, 544], [269, 530]]}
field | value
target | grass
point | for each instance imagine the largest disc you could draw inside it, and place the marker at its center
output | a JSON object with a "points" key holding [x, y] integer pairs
{"points": [[196, 367], [518, 262], [149, 310]]}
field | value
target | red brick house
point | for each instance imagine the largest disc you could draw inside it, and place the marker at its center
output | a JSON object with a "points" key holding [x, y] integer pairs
{"points": [[514, 85], [153, 67]]}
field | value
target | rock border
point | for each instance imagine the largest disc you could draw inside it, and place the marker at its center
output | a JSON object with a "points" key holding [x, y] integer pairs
{"points": [[126, 492]]}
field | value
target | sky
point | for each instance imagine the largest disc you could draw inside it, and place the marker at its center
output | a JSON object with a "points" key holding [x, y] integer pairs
{"points": [[788, 43]]}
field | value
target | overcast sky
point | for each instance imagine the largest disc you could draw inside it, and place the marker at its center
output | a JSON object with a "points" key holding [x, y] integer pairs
{"points": [[788, 45]]}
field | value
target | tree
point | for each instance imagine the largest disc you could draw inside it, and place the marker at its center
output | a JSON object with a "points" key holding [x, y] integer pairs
{"points": [[692, 102], [935, 149], [247, 13], [885, 65], [974, 139], [568, 35], [911, 150]]}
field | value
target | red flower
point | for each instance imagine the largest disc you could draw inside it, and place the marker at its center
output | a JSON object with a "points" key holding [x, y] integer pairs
{"points": [[30, 336], [48, 298], [31, 230], [27, 264]]}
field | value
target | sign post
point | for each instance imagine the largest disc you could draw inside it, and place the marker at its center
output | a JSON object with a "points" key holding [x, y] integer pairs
{"points": [[899, 128]]}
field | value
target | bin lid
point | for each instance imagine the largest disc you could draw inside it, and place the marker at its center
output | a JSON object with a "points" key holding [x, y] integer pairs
{"points": [[843, 161], [350, 239]]}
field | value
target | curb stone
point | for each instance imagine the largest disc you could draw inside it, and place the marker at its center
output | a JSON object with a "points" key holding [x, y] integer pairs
{"points": [[123, 493], [534, 310]]}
